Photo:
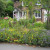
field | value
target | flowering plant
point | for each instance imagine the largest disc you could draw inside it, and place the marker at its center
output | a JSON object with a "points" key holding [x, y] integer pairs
{"points": [[5, 17]]}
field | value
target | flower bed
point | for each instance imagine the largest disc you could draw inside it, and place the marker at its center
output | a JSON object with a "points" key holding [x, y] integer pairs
{"points": [[25, 34]]}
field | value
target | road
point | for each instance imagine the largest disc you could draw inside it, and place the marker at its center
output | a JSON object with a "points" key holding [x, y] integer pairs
{"points": [[7, 46]]}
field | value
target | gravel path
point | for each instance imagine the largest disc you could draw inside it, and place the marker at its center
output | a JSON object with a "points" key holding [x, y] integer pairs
{"points": [[6, 46]]}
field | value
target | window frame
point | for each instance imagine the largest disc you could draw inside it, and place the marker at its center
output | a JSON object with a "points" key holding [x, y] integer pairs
{"points": [[37, 15], [38, 2]]}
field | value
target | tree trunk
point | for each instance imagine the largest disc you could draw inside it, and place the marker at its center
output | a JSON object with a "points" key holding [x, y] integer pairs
{"points": [[0, 15], [31, 13], [48, 19]]}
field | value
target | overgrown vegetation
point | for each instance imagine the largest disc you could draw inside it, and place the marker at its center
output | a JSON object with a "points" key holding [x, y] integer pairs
{"points": [[47, 26], [23, 32], [6, 7]]}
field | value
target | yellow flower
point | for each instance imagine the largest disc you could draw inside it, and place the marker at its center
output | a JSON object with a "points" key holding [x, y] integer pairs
{"points": [[23, 33], [32, 37], [11, 29], [1, 33], [13, 33], [21, 36], [8, 37], [5, 39], [15, 40], [18, 33], [5, 33]]}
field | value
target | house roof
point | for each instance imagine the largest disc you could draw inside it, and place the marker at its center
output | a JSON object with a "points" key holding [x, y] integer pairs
{"points": [[16, 10], [18, 5]]}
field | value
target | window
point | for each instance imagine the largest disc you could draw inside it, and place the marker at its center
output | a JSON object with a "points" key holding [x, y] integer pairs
{"points": [[15, 0], [24, 3], [38, 2], [37, 13]]}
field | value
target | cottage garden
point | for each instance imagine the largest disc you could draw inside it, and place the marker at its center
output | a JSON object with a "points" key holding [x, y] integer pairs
{"points": [[23, 31]]}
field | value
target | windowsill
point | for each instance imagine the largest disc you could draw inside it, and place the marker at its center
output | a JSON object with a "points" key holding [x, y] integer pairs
{"points": [[37, 17], [38, 4]]}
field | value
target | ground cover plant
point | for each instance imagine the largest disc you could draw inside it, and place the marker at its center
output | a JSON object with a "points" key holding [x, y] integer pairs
{"points": [[23, 32]]}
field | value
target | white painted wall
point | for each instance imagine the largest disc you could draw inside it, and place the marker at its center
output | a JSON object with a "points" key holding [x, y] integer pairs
{"points": [[19, 15], [45, 15], [22, 3]]}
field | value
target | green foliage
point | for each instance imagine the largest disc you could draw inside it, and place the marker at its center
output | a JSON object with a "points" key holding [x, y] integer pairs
{"points": [[30, 5], [2, 7], [23, 32], [27, 22], [47, 26], [32, 20], [38, 24], [4, 23], [6, 7], [24, 22], [46, 5], [9, 8]]}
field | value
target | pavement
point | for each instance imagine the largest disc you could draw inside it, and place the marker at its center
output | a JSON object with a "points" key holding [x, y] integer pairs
{"points": [[8, 46]]}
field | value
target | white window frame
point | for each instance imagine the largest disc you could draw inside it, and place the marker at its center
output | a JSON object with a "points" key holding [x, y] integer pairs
{"points": [[38, 3], [37, 15]]}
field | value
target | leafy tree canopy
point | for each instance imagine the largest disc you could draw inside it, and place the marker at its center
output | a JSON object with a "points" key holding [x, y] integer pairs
{"points": [[2, 7], [46, 4]]}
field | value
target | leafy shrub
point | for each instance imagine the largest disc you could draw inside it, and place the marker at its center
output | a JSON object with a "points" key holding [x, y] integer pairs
{"points": [[47, 26], [38, 24], [4, 23], [31, 34], [24, 22], [32, 20], [35, 36], [9, 8]]}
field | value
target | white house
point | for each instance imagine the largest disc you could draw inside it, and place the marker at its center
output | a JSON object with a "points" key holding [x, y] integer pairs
{"points": [[21, 14]]}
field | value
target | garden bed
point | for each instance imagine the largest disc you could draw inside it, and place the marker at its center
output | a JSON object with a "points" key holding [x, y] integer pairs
{"points": [[23, 32]]}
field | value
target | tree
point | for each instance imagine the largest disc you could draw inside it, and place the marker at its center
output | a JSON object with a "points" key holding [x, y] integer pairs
{"points": [[46, 5], [9, 8], [6, 7], [2, 7], [31, 4]]}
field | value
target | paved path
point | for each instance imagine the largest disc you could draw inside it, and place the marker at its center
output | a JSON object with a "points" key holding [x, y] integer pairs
{"points": [[7, 46]]}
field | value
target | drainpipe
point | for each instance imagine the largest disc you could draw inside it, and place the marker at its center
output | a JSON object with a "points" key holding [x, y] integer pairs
{"points": [[22, 13], [13, 14], [18, 16]]}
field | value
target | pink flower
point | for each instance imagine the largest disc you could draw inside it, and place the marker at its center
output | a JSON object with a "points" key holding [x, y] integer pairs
{"points": [[5, 17]]}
